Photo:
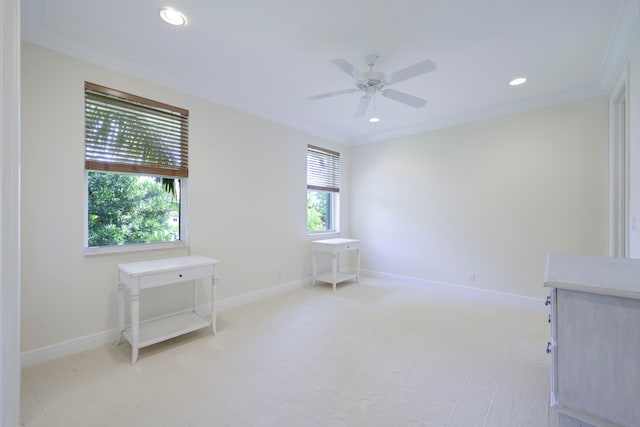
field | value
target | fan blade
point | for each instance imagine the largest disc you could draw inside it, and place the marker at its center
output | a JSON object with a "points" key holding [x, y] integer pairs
{"points": [[363, 105], [345, 66], [405, 98], [330, 94], [422, 67]]}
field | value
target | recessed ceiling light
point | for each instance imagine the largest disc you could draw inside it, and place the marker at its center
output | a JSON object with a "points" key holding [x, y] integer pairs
{"points": [[517, 81], [173, 16], [374, 120]]}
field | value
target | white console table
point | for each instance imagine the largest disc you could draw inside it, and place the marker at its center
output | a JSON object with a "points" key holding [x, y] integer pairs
{"points": [[137, 276], [334, 247]]}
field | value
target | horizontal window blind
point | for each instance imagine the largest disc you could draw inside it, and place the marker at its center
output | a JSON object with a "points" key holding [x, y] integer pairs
{"points": [[323, 169], [127, 133]]}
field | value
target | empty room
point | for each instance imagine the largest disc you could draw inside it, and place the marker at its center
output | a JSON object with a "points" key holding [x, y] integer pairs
{"points": [[320, 213]]}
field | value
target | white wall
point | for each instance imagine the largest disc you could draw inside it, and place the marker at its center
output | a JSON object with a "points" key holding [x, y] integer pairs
{"points": [[492, 198], [9, 213], [247, 190]]}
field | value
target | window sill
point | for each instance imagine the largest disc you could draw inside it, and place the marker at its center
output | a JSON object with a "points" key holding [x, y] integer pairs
{"points": [[323, 235], [142, 247]]}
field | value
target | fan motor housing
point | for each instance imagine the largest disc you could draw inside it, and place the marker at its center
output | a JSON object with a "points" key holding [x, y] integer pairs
{"points": [[373, 80]]}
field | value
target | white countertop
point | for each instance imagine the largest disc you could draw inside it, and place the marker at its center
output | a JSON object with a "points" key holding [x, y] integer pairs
{"points": [[599, 275]]}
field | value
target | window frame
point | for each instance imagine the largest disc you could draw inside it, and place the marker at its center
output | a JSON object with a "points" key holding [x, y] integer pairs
{"points": [[332, 187], [334, 215], [183, 241]]}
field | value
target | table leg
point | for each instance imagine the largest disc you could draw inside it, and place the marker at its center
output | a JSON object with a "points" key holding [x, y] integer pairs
{"points": [[334, 269], [120, 311], [214, 297], [313, 266], [194, 293], [135, 323], [358, 265]]}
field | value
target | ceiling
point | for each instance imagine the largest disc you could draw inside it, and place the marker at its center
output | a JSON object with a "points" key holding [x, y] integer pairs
{"points": [[266, 57]]}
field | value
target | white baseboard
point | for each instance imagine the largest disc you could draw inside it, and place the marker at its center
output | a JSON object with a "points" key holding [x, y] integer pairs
{"points": [[422, 282], [66, 348], [229, 303], [88, 342]]}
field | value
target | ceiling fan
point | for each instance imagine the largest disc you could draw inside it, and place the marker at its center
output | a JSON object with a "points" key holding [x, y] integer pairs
{"points": [[371, 82]]}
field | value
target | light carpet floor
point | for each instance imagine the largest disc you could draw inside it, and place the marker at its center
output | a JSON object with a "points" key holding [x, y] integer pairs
{"points": [[375, 353]]}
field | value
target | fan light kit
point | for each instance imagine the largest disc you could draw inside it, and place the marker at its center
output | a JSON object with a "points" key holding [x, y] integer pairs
{"points": [[374, 120], [372, 82], [173, 16]]}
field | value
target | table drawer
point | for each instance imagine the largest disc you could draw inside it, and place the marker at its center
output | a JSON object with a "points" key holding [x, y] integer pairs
{"points": [[346, 246], [176, 276], [350, 246], [335, 248]]}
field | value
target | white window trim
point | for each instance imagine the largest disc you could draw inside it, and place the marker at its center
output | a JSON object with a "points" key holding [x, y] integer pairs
{"points": [[335, 215], [326, 182], [619, 226], [139, 247]]}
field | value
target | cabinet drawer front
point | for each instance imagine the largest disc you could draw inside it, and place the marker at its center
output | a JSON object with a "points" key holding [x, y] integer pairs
{"points": [[176, 276]]}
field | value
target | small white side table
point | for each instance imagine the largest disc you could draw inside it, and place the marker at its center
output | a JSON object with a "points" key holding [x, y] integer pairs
{"points": [[334, 247], [149, 274]]}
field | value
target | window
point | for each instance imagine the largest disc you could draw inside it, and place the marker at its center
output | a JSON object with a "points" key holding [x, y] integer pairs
{"points": [[136, 162], [323, 187]]}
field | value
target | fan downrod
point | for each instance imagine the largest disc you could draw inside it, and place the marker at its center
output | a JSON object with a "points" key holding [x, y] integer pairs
{"points": [[372, 79], [371, 60]]}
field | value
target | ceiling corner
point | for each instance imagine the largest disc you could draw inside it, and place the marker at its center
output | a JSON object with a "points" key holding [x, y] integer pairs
{"points": [[624, 36]]}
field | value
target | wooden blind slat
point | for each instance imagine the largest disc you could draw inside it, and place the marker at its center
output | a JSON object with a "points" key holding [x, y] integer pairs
{"points": [[127, 133], [323, 169]]}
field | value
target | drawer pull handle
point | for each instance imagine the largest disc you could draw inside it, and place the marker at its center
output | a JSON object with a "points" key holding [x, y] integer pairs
{"points": [[549, 318], [547, 301], [548, 347]]}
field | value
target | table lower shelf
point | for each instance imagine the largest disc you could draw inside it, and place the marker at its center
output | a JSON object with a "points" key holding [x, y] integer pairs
{"points": [[340, 277], [157, 330]]}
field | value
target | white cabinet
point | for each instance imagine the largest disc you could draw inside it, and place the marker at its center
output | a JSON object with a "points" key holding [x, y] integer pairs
{"points": [[137, 276], [595, 341], [334, 247]]}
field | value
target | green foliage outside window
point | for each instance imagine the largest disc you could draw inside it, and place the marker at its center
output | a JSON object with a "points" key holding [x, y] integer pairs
{"points": [[127, 209], [318, 211]]}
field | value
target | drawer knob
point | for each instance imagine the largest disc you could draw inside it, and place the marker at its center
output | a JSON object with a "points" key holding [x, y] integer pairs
{"points": [[548, 347], [179, 275]]}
